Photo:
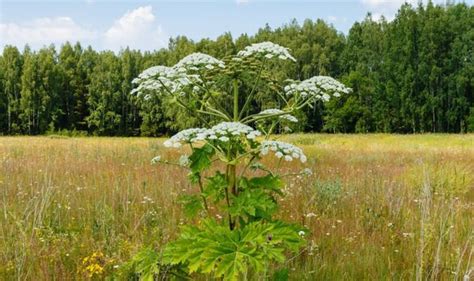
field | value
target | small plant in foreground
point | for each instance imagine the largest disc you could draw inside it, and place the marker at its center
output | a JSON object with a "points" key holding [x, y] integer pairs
{"points": [[225, 159]]}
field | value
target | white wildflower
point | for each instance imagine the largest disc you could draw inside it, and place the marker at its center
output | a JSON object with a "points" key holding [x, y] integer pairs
{"points": [[226, 130], [301, 233], [307, 172], [196, 61], [283, 149], [310, 215], [274, 112], [317, 87], [267, 50], [162, 79], [184, 160], [156, 159], [186, 136]]}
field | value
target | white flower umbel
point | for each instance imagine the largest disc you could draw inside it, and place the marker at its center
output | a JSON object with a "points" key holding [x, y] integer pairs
{"points": [[266, 50], [226, 130], [162, 79], [184, 160], [283, 150], [280, 114], [186, 136], [195, 61], [317, 87]]}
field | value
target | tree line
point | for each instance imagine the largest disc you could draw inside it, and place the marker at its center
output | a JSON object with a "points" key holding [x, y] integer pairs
{"points": [[413, 74]]}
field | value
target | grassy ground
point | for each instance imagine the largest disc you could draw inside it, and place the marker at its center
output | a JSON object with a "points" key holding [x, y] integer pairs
{"points": [[379, 207]]}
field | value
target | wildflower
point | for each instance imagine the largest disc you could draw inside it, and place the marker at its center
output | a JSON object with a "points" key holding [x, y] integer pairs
{"points": [[183, 160], [307, 172], [226, 130], [195, 61], [162, 79], [280, 114], [267, 50], [186, 136], [317, 87], [310, 215], [301, 233], [156, 159], [283, 149]]}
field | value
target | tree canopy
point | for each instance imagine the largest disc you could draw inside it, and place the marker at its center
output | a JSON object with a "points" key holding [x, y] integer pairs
{"points": [[413, 74]]}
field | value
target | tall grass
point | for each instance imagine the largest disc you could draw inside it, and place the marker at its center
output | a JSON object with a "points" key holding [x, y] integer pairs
{"points": [[378, 207]]}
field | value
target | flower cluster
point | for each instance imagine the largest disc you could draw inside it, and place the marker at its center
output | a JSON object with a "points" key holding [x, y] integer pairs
{"points": [[268, 50], [225, 130], [318, 87], [163, 79], [174, 79], [195, 61], [184, 160], [186, 136], [280, 114], [283, 149]]}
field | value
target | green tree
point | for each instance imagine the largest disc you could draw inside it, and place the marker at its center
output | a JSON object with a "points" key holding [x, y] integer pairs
{"points": [[105, 96], [11, 65]]}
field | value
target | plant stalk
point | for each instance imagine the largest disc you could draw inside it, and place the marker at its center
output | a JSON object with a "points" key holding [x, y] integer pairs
{"points": [[236, 99]]}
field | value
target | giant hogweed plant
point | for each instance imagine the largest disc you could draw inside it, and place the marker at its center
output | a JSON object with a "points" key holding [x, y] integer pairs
{"points": [[225, 160]]}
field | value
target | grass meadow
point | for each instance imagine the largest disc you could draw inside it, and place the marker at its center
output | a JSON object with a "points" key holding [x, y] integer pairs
{"points": [[378, 207]]}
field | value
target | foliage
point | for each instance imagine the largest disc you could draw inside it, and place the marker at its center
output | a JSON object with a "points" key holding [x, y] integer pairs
{"points": [[412, 74], [231, 254], [249, 238]]}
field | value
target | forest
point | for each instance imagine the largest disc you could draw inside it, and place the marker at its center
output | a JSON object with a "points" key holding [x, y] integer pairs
{"points": [[413, 74]]}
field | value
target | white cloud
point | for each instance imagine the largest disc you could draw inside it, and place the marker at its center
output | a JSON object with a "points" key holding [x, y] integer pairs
{"points": [[388, 8], [44, 31], [136, 29]]}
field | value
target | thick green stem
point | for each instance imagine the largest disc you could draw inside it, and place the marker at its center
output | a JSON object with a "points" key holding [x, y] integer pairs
{"points": [[236, 99], [233, 189], [201, 189], [227, 199]]}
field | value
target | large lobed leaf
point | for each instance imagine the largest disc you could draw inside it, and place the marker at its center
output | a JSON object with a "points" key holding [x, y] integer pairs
{"points": [[214, 248]]}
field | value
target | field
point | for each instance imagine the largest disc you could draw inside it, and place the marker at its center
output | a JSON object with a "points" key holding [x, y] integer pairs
{"points": [[378, 207]]}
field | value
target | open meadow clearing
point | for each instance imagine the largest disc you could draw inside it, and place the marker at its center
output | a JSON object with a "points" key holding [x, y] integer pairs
{"points": [[377, 207]]}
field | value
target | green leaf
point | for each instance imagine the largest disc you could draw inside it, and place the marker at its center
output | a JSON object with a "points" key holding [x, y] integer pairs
{"points": [[215, 187], [201, 158], [270, 182], [255, 204], [214, 248], [192, 204], [146, 263]]}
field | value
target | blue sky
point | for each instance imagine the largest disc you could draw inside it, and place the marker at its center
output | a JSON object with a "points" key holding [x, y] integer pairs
{"points": [[148, 25]]}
